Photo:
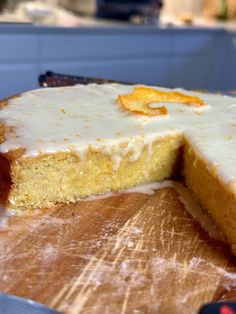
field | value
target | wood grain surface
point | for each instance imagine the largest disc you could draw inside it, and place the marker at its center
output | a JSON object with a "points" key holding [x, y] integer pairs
{"points": [[130, 253]]}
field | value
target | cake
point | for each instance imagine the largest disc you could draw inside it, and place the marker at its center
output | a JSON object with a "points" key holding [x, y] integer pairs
{"points": [[59, 145]]}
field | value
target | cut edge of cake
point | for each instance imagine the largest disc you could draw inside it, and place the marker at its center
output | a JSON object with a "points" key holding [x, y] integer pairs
{"points": [[67, 177]]}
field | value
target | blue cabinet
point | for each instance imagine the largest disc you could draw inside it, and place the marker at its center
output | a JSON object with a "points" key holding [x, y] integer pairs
{"points": [[191, 58]]}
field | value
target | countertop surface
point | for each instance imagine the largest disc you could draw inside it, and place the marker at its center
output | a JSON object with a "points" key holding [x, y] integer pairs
{"points": [[124, 29]]}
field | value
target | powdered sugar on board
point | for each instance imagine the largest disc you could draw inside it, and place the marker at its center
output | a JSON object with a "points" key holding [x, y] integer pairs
{"points": [[185, 196], [133, 253], [153, 264]]}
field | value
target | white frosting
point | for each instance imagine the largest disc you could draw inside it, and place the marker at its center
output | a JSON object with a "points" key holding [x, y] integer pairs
{"points": [[61, 119]]}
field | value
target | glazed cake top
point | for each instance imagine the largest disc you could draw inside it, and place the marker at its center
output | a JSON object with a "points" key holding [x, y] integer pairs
{"points": [[74, 118]]}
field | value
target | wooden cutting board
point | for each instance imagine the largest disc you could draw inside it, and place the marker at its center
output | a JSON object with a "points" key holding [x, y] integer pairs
{"points": [[130, 253]]}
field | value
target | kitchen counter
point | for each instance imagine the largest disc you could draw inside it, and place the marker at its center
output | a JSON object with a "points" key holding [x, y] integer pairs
{"points": [[196, 57]]}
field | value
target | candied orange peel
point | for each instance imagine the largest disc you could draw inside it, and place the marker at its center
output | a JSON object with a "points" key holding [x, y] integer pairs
{"points": [[140, 100]]}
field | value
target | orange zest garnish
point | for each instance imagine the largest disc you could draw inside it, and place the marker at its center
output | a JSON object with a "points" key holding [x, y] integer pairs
{"points": [[139, 101]]}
